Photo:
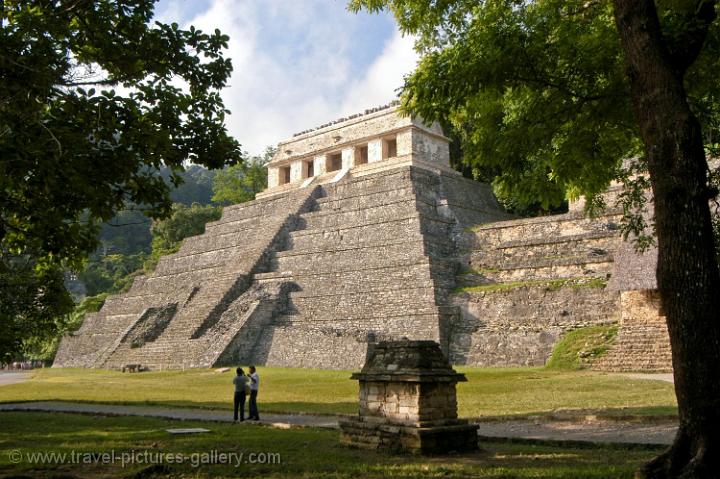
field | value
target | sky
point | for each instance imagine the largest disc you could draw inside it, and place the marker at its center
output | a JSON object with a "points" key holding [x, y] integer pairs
{"points": [[298, 63]]}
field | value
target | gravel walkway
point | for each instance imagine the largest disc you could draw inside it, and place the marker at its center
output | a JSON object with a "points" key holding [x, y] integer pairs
{"points": [[595, 431], [277, 420]]}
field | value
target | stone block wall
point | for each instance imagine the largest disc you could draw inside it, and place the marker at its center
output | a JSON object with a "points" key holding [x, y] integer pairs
{"points": [[527, 282], [408, 402]]}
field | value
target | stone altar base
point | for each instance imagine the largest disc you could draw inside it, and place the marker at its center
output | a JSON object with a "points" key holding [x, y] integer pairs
{"points": [[408, 402], [452, 436]]}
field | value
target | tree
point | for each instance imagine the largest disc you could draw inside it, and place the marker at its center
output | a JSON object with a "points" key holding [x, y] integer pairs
{"points": [[184, 222], [240, 183], [33, 301], [556, 93], [94, 100]]}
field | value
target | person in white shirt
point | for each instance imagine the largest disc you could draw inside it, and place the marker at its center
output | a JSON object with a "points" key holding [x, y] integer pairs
{"points": [[254, 387]]}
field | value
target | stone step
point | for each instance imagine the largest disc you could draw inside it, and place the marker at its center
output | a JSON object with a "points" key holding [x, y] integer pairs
{"points": [[586, 237], [365, 304], [538, 269], [386, 212], [169, 285], [571, 224], [383, 277], [351, 259], [368, 199], [590, 245], [220, 241], [242, 259], [319, 251], [370, 183], [643, 347], [264, 207], [364, 234], [407, 324], [273, 276], [543, 305]]}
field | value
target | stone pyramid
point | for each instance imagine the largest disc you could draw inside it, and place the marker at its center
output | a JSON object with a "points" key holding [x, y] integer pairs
{"points": [[364, 234]]}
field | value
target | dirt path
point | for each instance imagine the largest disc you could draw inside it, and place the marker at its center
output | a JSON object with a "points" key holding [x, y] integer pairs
{"points": [[598, 431], [667, 377], [7, 378], [277, 420]]}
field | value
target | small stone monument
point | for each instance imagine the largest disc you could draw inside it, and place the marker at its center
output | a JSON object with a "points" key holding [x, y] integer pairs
{"points": [[408, 402]]}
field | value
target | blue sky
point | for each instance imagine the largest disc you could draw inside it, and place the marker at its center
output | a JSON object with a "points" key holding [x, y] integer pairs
{"points": [[298, 63]]}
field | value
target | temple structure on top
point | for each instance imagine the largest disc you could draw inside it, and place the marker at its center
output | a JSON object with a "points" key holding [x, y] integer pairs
{"points": [[377, 140], [366, 234]]}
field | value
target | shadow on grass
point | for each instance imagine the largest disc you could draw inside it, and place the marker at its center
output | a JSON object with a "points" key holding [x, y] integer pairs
{"points": [[653, 413], [299, 452]]}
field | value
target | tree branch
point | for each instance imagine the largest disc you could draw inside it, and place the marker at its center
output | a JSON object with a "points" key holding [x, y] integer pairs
{"points": [[689, 45], [107, 81]]}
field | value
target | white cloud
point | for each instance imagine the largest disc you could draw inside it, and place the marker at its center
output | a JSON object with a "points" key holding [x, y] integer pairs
{"points": [[297, 65], [384, 77]]}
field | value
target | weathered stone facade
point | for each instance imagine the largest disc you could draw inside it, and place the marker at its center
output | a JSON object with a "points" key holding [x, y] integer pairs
{"points": [[365, 234], [408, 402]]}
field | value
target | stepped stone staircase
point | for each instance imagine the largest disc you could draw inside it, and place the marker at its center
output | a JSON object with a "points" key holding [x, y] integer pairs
{"points": [[304, 278], [177, 317], [642, 342], [643, 348], [526, 282]]}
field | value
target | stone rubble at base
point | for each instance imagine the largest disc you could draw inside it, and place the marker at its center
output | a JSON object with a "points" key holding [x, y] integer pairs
{"points": [[366, 234]]}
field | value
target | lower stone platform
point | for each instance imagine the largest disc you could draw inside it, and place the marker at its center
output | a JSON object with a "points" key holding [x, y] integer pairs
{"points": [[371, 433]]}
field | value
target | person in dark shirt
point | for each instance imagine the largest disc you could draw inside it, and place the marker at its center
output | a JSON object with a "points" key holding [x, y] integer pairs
{"points": [[241, 385]]}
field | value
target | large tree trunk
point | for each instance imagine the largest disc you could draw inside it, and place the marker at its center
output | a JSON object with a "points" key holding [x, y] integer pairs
{"points": [[687, 272]]}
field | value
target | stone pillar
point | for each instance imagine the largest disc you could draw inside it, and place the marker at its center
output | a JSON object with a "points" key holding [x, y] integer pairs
{"points": [[296, 171], [320, 165], [375, 150], [404, 143], [429, 148], [273, 177], [408, 402], [348, 157]]}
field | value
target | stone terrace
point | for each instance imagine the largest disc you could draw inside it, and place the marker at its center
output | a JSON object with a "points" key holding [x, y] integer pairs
{"points": [[526, 282]]}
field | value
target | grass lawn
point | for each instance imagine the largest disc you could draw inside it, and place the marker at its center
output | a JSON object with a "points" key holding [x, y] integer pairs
{"points": [[310, 453], [489, 392]]}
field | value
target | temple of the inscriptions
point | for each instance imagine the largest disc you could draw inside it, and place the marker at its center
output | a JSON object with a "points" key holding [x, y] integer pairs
{"points": [[365, 233]]}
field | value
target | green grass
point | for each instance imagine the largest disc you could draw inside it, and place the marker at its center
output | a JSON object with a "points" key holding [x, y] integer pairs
{"points": [[310, 453], [489, 392], [551, 285], [581, 347], [477, 271]]}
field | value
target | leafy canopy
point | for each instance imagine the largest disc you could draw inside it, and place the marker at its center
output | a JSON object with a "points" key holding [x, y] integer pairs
{"points": [[538, 89], [94, 100], [241, 182], [71, 142]]}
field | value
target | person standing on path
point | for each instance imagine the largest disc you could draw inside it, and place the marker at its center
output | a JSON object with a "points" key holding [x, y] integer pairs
{"points": [[241, 385], [254, 387]]}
